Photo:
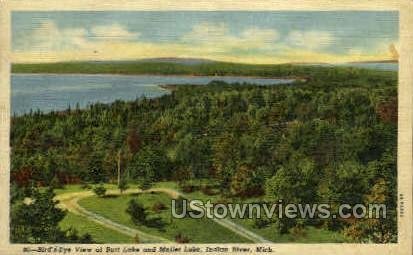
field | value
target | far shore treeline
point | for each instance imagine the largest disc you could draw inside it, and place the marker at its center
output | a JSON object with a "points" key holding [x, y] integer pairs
{"points": [[173, 68], [331, 138]]}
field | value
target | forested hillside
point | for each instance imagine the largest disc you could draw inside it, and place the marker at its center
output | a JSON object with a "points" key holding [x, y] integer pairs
{"points": [[330, 139]]}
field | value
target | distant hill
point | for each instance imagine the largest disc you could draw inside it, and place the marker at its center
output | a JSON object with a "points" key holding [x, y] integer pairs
{"points": [[183, 61], [187, 66], [375, 61]]}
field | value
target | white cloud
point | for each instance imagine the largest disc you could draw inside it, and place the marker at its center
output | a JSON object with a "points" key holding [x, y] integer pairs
{"points": [[386, 46], [310, 39], [216, 37], [387, 49], [113, 32], [48, 36], [260, 35], [207, 32], [49, 43], [355, 51]]}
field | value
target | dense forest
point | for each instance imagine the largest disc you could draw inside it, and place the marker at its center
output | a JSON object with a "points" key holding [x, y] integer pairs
{"points": [[332, 138]]}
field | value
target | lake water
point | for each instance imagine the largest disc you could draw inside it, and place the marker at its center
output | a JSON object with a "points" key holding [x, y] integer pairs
{"points": [[49, 92], [378, 66], [384, 66]]}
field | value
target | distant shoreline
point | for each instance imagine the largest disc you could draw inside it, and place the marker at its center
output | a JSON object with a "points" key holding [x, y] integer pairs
{"points": [[292, 78]]}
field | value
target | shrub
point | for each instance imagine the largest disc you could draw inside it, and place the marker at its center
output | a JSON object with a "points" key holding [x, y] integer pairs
{"points": [[179, 238], [261, 223], [145, 184], [72, 236], [137, 212], [136, 239], [123, 185], [56, 184], [297, 231], [158, 206], [100, 190], [208, 190], [188, 188]]}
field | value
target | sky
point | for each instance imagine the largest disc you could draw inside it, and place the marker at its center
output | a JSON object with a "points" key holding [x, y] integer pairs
{"points": [[248, 37]]}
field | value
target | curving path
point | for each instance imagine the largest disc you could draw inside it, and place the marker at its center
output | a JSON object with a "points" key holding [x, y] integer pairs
{"points": [[240, 230], [69, 201]]}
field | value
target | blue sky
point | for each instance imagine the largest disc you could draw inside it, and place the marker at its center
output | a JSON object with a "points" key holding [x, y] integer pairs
{"points": [[254, 37]]}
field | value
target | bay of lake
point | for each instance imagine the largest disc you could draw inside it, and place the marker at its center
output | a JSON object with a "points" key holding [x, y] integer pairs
{"points": [[56, 92]]}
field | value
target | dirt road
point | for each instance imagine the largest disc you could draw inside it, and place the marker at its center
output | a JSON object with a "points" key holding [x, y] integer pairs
{"points": [[69, 201]]}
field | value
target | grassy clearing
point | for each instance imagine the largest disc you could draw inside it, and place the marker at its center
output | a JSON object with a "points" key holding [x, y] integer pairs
{"points": [[197, 230], [99, 233], [201, 231], [308, 235]]}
